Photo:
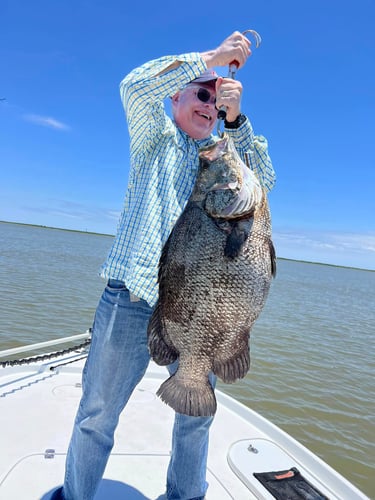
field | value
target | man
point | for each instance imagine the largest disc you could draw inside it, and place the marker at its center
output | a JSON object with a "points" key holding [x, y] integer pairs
{"points": [[164, 162]]}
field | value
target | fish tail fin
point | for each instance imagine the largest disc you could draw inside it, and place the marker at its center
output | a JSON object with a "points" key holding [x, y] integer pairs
{"points": [[194, 400], [161, 351], [234, 368]]}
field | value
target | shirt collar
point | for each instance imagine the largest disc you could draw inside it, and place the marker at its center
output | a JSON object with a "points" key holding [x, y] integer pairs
{"points": [[200, 143]]}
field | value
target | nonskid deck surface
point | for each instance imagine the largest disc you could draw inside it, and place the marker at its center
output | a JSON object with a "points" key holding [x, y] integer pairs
{"points": [[38, 406], [36, 424]]}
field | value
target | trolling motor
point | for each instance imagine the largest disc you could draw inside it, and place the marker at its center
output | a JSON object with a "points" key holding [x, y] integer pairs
{"points": [[233, 67]]}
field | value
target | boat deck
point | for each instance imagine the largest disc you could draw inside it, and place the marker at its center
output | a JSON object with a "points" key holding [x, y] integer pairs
{"points": [[38, 403]]}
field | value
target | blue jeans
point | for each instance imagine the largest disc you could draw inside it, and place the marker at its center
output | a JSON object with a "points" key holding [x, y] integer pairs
{"points": [[117, 361]]}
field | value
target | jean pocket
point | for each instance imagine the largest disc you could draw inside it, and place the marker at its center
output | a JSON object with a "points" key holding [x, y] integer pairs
{"points": [[116, 285]]}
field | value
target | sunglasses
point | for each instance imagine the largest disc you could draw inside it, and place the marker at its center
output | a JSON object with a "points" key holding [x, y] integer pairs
{"points": [[205, 95]]}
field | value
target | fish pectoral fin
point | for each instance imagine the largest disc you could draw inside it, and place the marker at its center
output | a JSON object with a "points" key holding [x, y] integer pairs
{"points": [[188, 397], [234, 368], [161, 351], [240, 231]]}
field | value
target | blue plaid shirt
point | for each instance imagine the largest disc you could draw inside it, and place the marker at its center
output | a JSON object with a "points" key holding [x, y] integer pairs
{"points": [[163, 168]]}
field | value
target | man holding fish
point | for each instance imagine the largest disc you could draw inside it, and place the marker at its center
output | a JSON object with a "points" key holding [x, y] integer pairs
{"points": [[164, 165]]}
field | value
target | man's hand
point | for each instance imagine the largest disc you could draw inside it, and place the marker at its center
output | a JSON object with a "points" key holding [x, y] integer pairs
{"points": [[228, 94], [234, 48]]}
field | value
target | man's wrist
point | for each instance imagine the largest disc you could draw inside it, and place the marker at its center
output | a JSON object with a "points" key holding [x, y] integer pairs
{"points": [[209, 58], [236, 123]]}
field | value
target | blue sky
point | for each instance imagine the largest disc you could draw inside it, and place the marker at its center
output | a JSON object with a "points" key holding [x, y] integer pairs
{"points": [[309, 89]]}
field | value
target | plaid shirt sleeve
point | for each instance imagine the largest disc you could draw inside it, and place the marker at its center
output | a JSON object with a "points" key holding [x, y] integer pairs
{"points": [[144, 89], [253, 150]]}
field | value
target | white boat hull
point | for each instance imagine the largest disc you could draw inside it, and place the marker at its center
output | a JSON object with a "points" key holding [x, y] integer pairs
{"points": [[38, 404]]}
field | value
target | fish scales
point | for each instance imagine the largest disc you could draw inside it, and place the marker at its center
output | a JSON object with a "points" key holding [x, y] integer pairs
{"points": [[214, 276]]}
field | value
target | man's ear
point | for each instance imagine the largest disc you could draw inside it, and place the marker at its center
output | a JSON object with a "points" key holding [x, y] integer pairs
{"points": [[175, 98]]}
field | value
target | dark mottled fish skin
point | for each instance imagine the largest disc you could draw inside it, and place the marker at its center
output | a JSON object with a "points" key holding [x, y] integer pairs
{"points": [[214, 276]]}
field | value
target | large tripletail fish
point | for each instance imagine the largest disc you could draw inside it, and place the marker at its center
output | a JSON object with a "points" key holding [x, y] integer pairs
{"points": [[214, 276]]}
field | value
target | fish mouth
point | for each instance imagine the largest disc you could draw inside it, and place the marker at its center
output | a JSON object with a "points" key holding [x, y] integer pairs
{"points": [[233, 186]]}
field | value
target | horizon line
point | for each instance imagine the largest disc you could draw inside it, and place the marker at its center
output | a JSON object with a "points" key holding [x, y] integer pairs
{"points": [[112, 236]]}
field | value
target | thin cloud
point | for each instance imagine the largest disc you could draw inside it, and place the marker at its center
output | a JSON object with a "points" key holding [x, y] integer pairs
{"points": [[333, 240], [351, 249], [113, 214], [46, 121], [73, 210]]}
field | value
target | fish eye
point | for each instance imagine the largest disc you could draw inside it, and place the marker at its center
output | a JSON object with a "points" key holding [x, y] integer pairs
{"points": [[205, 164]]}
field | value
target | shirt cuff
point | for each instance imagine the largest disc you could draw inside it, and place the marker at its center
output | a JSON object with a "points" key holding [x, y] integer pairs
{"points": [[243, 135], [237, 122]]}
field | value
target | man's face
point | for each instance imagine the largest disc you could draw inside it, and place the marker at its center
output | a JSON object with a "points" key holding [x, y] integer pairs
{"points": [[194, 110]]}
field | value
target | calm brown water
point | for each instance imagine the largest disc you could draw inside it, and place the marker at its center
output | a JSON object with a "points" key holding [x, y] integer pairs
{"points": [[312, 350]]}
